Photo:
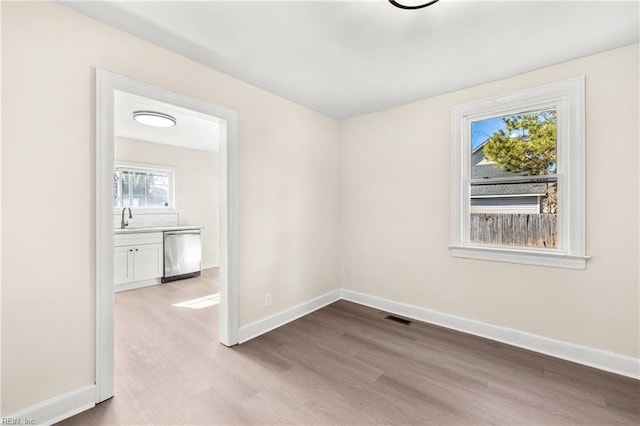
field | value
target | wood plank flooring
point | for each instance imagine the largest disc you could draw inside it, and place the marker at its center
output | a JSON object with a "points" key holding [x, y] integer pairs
{"points": [[343, 365]]}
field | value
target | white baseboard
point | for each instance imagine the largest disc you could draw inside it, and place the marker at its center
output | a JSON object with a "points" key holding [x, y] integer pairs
{"points": [[604, 360], [261, 326], [66, 405], [55, 409], [136, 284], [210, 265]]}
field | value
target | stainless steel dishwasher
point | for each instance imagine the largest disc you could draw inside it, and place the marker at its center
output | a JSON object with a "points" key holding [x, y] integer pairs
{"points": [[182, 254]]}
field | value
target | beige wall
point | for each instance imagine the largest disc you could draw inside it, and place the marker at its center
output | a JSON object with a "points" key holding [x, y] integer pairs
{"points": [[196, 185], [395, 215], [288, 211], [394, 193]]}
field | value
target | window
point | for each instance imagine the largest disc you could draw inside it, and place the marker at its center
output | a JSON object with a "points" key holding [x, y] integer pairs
{"points": [[518, 177], [143, 186]]}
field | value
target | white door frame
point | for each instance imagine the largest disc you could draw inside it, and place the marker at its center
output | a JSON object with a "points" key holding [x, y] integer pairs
{"points": [[106, 84]]}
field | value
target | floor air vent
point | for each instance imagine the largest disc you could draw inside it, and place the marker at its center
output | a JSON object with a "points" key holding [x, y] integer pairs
{"points": [[398, 320]]}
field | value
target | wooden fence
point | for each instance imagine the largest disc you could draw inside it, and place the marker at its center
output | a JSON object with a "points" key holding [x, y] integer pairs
{"points": [[527, 230]]}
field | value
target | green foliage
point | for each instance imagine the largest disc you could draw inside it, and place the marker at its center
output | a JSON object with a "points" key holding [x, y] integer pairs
{"points": [[528, 144]]}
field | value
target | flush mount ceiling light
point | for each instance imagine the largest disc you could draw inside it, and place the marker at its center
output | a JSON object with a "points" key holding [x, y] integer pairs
{"points": [[411, 4], [155, 119]]}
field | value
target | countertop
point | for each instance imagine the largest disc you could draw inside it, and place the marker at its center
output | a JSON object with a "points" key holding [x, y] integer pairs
{"points": [[118, 231]]}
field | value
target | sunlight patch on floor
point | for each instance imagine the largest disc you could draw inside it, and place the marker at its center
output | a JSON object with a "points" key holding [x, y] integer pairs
{"points": [[200, 302]]}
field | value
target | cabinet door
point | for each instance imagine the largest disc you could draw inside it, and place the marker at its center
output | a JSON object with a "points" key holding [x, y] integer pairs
{"points": [[122, 265], [148, 260]]}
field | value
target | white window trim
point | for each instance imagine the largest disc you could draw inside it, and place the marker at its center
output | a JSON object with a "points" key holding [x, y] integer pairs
{"points": [[171, 171], [568, 98]]}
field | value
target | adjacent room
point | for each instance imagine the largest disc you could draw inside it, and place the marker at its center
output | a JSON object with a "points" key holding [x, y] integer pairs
{"points": [[320, 212]]}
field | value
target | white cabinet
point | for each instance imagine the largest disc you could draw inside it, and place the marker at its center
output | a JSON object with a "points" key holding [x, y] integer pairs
{"points": [[147, 261], [137, 260], [122, 265]]}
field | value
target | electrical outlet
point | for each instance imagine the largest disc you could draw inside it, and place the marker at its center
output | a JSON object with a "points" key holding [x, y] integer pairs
{"points": [[267, 299]]}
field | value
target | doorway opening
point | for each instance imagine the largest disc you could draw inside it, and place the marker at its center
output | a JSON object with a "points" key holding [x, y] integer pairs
{"points": [[110, 88]]}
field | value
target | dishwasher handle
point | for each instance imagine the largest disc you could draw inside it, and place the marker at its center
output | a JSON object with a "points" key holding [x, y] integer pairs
{"points": [[190, 231]]}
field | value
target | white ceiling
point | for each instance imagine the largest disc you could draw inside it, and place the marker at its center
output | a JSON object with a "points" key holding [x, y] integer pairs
{"points": [[192, 130], [345, 59]]}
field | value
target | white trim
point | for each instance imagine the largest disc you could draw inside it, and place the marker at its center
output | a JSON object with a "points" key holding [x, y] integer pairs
{"points": [[144, 166], [106, 84], [604, 360], [147, 210], [71, 403], [540, 257], [212, 265], [505, 196], [104, 237], [58, 408], [136, 284], [567, 97], [264, 325]]}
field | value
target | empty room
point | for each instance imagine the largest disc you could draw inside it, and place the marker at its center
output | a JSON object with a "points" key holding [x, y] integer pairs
{"points": [[320, 212]]}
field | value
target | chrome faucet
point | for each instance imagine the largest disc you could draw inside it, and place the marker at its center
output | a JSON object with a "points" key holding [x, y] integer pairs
{"points": [[123, 223]]}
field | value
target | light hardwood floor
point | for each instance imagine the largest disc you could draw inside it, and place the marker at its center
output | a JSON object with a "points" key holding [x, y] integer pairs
{"points": [[344, 364]]}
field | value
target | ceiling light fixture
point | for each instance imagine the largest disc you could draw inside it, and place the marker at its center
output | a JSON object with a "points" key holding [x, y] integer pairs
{"points": [[155, 119], [408, 4]]}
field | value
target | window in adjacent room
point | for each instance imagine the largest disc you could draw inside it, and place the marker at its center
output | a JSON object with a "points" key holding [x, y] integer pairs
{"points": [[518, 177], [143, 186]]}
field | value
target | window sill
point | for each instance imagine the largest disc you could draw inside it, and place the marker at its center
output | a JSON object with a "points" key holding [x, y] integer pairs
{"points": [[522, 256], [147, 210]]}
